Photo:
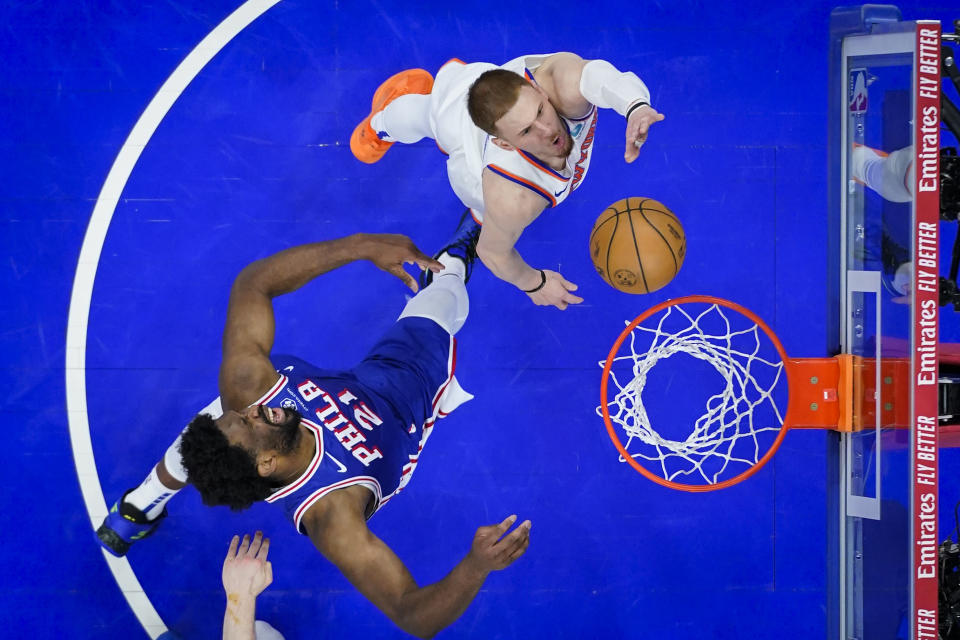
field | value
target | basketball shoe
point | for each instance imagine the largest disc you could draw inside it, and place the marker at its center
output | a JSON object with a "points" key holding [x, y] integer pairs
{"points": [[463, 245], [366, 144], [124, 525]]}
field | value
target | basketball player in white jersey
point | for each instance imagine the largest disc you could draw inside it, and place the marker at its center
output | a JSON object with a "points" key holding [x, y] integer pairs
{"points": [[518, 139]]}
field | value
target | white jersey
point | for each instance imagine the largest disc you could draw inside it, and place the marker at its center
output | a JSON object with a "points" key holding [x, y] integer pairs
{"points": [[470, 150]]}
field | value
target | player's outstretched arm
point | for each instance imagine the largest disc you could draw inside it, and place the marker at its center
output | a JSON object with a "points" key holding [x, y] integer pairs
{"points": [[509, 209], [249, 332], [340, 533], [246, 573], [578, 83]]}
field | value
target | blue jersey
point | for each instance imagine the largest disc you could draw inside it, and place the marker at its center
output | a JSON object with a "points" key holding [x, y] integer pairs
{"points": [[369, 423]]}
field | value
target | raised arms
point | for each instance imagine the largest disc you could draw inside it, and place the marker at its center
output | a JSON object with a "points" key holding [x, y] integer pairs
{"points": [[510, 209], [245, 371], [574, 84]]}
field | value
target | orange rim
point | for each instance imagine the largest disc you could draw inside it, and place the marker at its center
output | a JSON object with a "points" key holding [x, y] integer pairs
{"points": [[605, 409]]}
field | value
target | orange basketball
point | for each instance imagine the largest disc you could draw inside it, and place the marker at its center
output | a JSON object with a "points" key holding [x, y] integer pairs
{"points": [[637, 245]]}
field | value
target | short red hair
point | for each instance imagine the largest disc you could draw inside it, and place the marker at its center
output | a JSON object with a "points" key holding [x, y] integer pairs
{"points": [[492, 95]]}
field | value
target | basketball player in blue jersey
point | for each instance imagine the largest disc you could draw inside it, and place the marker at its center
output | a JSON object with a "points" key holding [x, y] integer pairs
{"points": [[332, 447], [518, 139]]}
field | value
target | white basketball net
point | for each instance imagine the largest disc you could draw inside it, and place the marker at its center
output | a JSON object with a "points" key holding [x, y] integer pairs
{"points": [[726, 436]]}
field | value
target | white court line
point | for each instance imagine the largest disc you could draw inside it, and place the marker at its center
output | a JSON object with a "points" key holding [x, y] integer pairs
{"points": [[106, 204]]}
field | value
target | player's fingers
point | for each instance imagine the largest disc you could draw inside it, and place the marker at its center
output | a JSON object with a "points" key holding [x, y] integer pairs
{"points": [[501, 528], [418, 254], [513, 544], [243, 545], [521, 543], [269, 573], [232, 551], [569, 286], [519, 551], [264, 549], [512, 538], [426, 262], [632, 151], [646, 123], [255, 543], [408, 280], [572, 299]]}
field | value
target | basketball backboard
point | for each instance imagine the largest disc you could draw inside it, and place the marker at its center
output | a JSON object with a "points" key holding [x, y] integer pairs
{"points": [[885, 95]]}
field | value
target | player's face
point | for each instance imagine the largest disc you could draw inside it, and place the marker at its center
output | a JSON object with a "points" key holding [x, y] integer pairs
{"points": [[260, 428], [534, 126]]}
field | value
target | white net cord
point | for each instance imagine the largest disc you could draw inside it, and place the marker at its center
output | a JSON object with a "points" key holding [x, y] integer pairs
{"points": [[726, 436]]}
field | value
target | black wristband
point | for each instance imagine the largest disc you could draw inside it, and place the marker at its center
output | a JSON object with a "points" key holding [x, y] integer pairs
{"points": [[543, 281], [635, 106]]}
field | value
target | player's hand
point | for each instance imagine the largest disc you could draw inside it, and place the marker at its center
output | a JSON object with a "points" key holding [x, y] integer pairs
{"points": [[492, 550], [390, 251], [246, 571], [637, 127], [557, 291]]}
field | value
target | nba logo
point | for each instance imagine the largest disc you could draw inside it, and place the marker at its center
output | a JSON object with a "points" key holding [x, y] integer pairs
{"points": [[858, 91]]}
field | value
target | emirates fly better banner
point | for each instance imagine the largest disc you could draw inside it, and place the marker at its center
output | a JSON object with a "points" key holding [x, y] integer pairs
{"points": [[926, 189]]}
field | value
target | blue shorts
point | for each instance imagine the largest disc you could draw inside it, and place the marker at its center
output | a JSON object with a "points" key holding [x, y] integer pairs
{"points": [[408, 366]]}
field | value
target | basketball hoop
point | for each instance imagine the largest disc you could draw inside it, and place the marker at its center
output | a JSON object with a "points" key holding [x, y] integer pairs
{"points": [[745, 422]]}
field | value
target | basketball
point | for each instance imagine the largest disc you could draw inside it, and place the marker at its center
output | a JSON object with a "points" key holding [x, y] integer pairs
{"points": [[637, 245]]}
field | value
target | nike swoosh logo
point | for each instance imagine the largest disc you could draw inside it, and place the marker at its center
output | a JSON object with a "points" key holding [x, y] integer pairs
{"points": [[560, 192], [290, 368], [342, 469]]}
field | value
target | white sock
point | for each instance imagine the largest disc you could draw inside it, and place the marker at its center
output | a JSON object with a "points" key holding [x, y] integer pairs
{"points": [[452, 265], [889, 175], [172, 459], [406, 119], [445, 300], [265, 631], [151, 496]]}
